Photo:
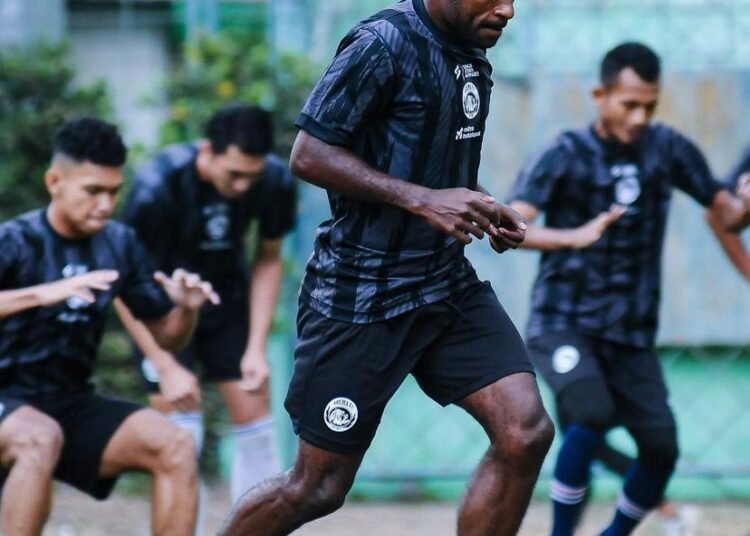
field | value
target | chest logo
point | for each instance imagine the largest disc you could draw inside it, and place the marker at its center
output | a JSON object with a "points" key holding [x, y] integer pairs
{"points": [[340, 414], [72, 270], [470, 100], [628, 185]]}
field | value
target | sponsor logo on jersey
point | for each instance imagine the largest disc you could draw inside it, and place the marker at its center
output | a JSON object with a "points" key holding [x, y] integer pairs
{"points": [[340, 414]]}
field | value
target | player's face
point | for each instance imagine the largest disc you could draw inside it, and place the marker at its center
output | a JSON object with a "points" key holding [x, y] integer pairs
{"points": [[479, 22], [627, 106], [84, 195], [233, 172]]}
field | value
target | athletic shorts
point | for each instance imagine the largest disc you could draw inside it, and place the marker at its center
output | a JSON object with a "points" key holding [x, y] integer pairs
{"points": [[633, 375], [345, 374], [88, 422], [217, 345]]}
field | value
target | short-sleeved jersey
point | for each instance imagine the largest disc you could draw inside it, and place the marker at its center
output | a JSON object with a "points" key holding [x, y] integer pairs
{"points": [[610, 290], [743, 166], [411, 102], [53, 349], [185, 223]]}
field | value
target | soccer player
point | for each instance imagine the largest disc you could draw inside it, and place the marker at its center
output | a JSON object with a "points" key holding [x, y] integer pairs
{"points": [[393, 131], [605, 191], [738, 181], [60, 268], [192, 206]]}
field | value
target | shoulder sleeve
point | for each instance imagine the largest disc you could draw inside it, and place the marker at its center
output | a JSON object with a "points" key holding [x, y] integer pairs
{"points": [[148, 211], [10, 256], [354, 89], [279, 213], [690, 171], [141, 293], [742, 167], [538, 178]]}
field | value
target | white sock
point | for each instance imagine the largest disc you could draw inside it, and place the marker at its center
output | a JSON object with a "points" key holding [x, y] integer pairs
{"points": [[256, 455], [192, 421]]}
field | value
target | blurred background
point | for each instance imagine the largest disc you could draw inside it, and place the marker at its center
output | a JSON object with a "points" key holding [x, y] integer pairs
{"points": [[160, 68]]}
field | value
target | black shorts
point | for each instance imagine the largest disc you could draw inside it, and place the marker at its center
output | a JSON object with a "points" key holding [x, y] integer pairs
{"points": [[345, 373], [632, 375], [217, 345], [88, 422]]}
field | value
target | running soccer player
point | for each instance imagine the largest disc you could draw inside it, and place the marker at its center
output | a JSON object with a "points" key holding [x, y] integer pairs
{"points": [[734, 247], [393, 131], [605, 191], [192, 206], [60, 268]]}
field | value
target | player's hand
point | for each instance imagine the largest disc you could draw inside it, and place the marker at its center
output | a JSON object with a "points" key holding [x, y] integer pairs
{"points": [[187, 289], [509, 231], [180, 387], [255, 371], [81, 286], [585, 235], [743, 189], [459, 212]]}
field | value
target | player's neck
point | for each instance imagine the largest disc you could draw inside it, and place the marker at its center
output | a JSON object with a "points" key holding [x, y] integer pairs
{"points": [[60, 224]]}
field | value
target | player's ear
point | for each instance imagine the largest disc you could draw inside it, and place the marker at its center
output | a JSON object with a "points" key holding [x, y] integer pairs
{"points": [[53, 181], [206, 149]]}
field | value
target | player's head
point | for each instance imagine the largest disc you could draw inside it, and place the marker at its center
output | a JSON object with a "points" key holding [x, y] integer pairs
{"points": [[628, 91], [478, 22], [85, 175], [234, 153]]}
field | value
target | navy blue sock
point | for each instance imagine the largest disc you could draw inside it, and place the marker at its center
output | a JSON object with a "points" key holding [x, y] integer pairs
{"points": [[572, 477], [644, 489]]}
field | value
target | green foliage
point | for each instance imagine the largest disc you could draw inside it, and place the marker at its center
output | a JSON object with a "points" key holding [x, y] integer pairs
{"points": [[236, 66], [37, 94]]}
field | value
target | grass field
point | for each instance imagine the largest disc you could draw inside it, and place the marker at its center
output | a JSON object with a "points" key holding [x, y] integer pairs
{"points": [[75, 514]]}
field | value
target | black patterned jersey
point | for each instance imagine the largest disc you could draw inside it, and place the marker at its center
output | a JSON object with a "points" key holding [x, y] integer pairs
{"points": [[53, 349], [610, 290], [412, 102]]}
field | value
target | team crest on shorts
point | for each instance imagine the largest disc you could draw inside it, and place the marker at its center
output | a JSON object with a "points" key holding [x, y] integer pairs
{"points": [[565, 359], [149, 370], [2, 408], [340, 414]]}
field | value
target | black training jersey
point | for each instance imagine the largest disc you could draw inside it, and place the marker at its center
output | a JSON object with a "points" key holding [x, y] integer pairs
{"points": [[52, 349], [185, 223], [743, 166], [610, 290], [411, 102]]}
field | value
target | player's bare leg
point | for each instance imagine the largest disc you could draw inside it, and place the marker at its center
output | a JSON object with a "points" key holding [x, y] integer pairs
{"points": [[149, 442], [30, 444], [512, 414], [316, 486]]}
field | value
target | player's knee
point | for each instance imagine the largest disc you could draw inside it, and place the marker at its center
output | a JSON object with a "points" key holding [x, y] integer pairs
{"points": [[322, 495], [657, 448], [528, 440], [177, 453], [39, 444]]}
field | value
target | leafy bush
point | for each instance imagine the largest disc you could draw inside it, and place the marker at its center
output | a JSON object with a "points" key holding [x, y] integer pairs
{"points": [[37, 95]]}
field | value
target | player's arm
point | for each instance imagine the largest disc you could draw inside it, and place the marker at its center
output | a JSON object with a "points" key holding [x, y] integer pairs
{"points": [[264, 295], [48, 294], [178, 386], [188, 292], [548, 238], [729, 212], [458, 212], [732, 244]]}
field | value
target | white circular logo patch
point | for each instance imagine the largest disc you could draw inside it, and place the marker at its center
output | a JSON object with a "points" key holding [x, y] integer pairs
{"points": [[627, 190], [217, 227], [2, 408], [471, 100], [340, 414], [565, 359], [150, 372]]}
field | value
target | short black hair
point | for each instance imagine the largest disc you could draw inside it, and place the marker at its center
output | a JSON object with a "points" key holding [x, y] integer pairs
{"points": [[90, 139], [250, 128], [637, 56]]}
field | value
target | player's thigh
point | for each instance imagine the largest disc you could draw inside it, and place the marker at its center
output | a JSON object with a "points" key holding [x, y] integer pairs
{"points": [[344, 374], [220, 343], [245, 406], [640, 390], [477, 347], [141, 443]]}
